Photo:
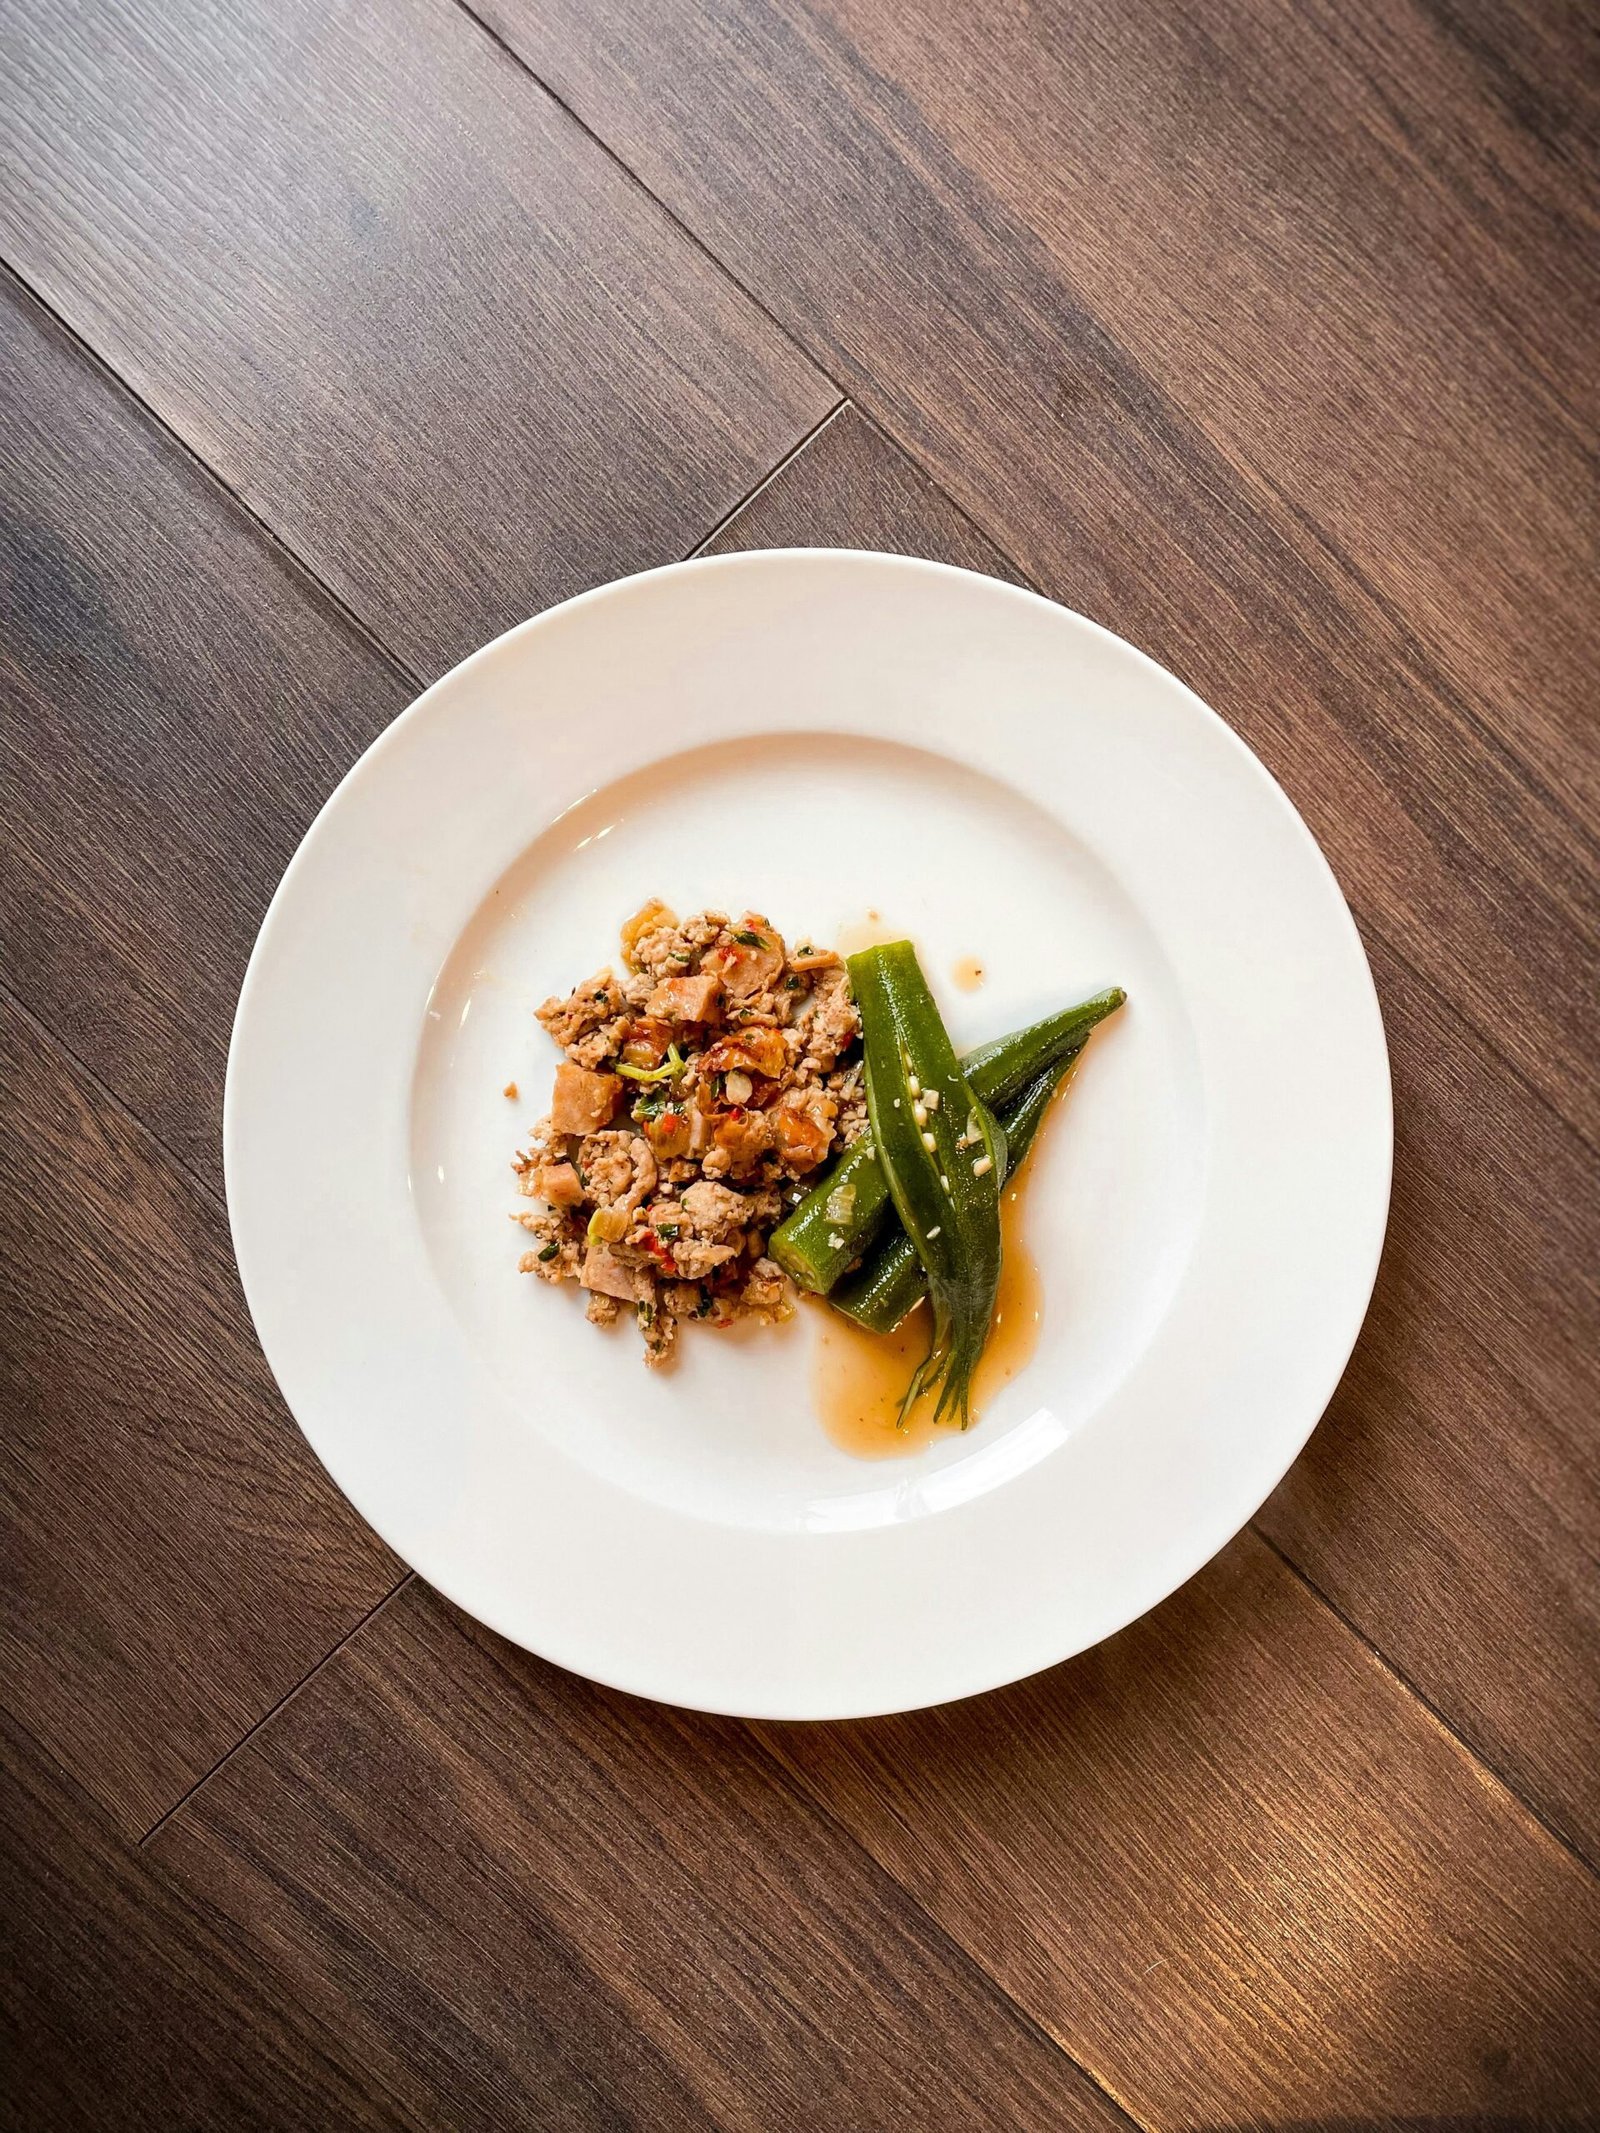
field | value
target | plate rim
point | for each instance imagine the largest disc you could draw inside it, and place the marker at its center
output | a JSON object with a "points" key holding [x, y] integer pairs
{"points": [[1208, 1544]]}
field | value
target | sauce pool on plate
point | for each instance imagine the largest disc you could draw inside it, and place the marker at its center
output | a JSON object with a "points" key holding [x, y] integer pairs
{"points": [[858, 1377]]}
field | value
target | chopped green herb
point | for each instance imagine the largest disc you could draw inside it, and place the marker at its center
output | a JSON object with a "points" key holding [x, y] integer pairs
{"points": [[549, 1251], [670, 1230], [647, 1314], [750, 940]]}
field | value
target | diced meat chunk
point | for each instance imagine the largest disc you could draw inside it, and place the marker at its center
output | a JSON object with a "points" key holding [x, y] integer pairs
{"points": [[802, 1128], [560, 1184], [690, 999], [653, 917], [601, 1310], [598, 999], [604, 1270], [739, 1139], [757, 1050], [583, 1101], [749, 958]]}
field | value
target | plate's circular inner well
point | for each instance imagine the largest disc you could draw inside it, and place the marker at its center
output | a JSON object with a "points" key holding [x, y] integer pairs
{"points": [[818, 735], [820, 832]]}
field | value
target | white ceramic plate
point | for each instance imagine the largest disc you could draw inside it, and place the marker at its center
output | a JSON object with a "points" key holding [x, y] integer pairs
{"points": [[815, 734]]}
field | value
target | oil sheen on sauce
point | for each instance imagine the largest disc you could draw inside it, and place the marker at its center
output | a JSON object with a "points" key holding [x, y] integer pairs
{"points": [[968, 973], [858, 1377]]}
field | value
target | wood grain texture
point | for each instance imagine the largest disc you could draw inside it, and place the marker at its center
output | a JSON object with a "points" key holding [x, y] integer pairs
{"points": [[1450, 1503], [123, 2004], [392, 295], [1163, 307], [510, 1887], [174, 1559], [177, 702], [850, 488], [1265, 337], [1240, 1874]]}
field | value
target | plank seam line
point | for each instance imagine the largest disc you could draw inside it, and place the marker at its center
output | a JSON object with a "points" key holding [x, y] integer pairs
{"points": [[57, 1042], [769, 477], [282, 1703], [1567, 1127], [308, 574], [1431, 674], [800, 1786], [959, 510], [322, 591], [683, 228], [1474, 1755]]}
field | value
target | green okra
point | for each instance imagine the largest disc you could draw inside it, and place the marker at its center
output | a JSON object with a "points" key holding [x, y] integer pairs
{"points": [[890, 1284], [943, 1156], [838, 1220]]}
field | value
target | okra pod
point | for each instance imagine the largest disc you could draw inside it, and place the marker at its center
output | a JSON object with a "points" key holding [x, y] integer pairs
{"points": [[943, 1156], [840, 1217], [891, 1283]]}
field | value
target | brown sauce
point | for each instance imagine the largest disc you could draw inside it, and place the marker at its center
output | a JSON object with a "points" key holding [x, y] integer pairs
{"points": [[858, 1378], [968, 973]]}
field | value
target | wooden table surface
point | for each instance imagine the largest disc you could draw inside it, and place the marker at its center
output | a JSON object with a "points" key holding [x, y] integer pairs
{"points": [[337, 336]]}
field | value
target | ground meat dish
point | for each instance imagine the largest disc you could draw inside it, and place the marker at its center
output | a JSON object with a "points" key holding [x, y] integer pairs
{"points": [[702, 1086]]}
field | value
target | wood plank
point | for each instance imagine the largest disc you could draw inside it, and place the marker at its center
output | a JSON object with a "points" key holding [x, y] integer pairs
{"points": [[177, 702], [570, 1874], [123, 2004], [1160, 303], [1450, 1503], [174, 1559], [1368, 275], [850, 488], [1240, 1874], [399, 301]]}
